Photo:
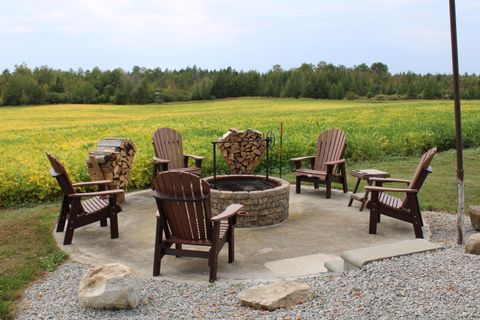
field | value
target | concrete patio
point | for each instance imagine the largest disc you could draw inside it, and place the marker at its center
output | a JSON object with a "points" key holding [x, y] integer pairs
{"points": [[316, 231]]}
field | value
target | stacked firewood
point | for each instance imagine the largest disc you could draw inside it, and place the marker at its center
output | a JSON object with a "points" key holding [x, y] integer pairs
{"points": [[112, 160], [242, 150]]}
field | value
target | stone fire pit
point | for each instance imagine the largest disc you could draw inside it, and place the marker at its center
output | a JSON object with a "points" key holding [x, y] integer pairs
{"points": [[266, 201]]}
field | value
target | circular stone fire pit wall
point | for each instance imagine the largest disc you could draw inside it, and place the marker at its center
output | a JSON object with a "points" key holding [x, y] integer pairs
{"points": [[264, 207]]}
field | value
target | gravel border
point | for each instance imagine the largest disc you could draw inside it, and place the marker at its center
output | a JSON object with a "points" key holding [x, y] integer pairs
{"points": [[442, 284]]}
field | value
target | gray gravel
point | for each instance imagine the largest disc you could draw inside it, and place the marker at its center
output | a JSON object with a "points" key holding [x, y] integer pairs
{"points": [[436, 285]]}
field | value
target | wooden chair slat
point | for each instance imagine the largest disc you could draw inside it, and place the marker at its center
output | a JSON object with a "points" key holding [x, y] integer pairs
{"points": [[191, 216]]}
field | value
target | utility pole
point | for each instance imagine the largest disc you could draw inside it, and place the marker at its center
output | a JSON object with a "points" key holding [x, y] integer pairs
{"points": [[458, 128]]}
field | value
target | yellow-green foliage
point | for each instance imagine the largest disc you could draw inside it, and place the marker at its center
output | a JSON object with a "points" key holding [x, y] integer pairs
{"points": [[375, 130]]}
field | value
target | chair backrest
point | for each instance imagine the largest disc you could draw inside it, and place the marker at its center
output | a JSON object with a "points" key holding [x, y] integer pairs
{"points": [[330, 147], [183, 201], [58, 171], [420, 174], [168, 145]]}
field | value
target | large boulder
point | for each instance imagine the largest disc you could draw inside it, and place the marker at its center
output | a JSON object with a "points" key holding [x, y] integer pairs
{"points": [[111, 286], [472, 245], [277, 295], [475, 217]]}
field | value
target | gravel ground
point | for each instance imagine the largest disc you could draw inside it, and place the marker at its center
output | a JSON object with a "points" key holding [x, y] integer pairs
{"points": [[435, 285]]}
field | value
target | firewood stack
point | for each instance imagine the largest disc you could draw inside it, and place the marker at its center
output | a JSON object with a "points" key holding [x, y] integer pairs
{"points": [[112, 160], [241, 153]]}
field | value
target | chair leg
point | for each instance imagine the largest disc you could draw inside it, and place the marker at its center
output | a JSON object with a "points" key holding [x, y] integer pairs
{"points": [[374, 217], [103, 223], [345, 186], [213, 263], [417, 215], [62, 218], [178, 246], [113, 225], [231, 246], [157, 256], [61, 223], [69, 234], [298, 184], [344, 178], [328, 185], [417, 228]]}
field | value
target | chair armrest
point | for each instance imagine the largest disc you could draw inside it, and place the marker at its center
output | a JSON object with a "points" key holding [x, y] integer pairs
{"points": [[382, 189], [331, 163], [98, 193], [301, 158], [298, 161], [230, 211], [161, 161], [91, 183], [194, 156], [198, 160], [386, 180]]}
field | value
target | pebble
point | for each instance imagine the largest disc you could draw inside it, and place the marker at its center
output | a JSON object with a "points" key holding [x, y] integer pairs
{"points": [[442, 284]]}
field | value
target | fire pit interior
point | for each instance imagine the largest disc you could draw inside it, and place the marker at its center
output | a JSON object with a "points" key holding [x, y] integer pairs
{"points": [[263, 197], [242, 184]]}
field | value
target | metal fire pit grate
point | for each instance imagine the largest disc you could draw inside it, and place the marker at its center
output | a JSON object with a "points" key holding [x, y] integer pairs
{"points": [[243, 185]]}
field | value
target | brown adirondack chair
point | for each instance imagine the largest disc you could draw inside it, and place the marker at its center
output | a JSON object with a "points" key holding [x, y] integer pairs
{"points": [[406, 209], [184, 217], [100, 205], [168, 147], [327, 165]]}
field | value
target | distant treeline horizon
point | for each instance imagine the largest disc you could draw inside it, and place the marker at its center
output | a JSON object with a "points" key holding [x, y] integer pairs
{"points": [[45, 85]]}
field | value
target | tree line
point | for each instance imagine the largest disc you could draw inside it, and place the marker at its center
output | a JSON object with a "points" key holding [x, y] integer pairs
{"points": [[44, 85]]}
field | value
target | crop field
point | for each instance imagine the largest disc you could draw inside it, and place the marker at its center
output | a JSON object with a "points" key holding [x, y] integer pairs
{"points": [[376, 131]]}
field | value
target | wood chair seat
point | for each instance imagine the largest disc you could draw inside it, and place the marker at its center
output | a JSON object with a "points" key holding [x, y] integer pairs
{"points": [[390, 201], [222, 237], [327, 165], [310, 173], [192, 170], [94, 204]]}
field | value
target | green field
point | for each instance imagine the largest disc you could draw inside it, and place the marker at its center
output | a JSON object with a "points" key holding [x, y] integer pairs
{"points": [[376, 131]]}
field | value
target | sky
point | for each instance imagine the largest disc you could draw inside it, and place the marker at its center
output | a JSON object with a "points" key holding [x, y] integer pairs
{"points": [[406, 35]]}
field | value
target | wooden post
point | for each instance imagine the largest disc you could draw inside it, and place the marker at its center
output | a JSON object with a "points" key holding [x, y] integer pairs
{"points": [[281, 148], [458, 128]]}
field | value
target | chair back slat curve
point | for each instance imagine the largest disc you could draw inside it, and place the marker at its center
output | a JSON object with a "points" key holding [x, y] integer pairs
{"points": [[420, 174], [168, 145], [186, 208], [331, 146], [58, 171]]}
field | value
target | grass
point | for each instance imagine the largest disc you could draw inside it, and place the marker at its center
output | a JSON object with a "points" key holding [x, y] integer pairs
{"points": [[27, 250], [27, 247], [375, 130]]}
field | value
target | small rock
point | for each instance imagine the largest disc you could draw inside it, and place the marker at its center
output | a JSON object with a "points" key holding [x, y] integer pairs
{"points": [[473, 244], [111, 286], [475, 217], [278, 295]]}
